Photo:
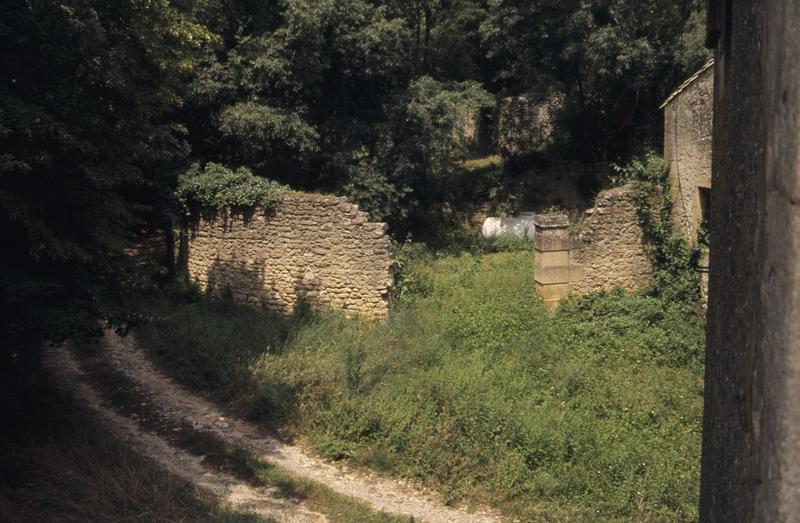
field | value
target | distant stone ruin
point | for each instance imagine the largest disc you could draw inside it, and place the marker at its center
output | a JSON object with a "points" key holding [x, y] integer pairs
{"points": [[313, 249], [608, 250], [525, 125]]}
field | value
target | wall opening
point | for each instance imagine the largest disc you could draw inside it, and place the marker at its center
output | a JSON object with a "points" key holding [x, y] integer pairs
{"points": [[704, 194]]}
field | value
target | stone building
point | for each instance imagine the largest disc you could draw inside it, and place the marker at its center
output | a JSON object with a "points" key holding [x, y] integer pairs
{"points": [[688, 121]]}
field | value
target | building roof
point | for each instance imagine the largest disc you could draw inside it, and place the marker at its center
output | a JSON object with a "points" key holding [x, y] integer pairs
{"points": [[689, 81]]}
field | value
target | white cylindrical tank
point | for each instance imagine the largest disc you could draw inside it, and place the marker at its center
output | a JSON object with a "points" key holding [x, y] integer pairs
{"points": [[514, 226]]}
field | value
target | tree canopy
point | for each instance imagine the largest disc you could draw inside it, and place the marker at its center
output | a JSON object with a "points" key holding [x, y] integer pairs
{"points": [[103, 104]]}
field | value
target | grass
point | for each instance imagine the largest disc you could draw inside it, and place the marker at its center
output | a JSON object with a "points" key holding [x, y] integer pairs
{"points": [[60, 464], [472, 387]]}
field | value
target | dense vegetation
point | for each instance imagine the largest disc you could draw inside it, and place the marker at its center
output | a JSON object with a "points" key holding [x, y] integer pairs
{"points": [[473, 387], [104, 104]]}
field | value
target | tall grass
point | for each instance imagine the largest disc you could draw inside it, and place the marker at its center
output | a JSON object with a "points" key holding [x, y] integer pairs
{"points": [[590, 412]]}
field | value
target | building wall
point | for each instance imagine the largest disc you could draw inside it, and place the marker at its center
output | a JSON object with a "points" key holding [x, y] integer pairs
{"points": [[751, 455], [313, 248], [613, 249], [688, 122]]}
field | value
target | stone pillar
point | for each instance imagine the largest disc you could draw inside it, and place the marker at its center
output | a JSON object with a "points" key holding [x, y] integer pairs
{"points": [[552, 270], [751, 424]]}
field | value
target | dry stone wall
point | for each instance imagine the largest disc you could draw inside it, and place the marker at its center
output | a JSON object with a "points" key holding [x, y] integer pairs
{"points": [[613, 249], [609, 250], [321, 250], [524, 125]]}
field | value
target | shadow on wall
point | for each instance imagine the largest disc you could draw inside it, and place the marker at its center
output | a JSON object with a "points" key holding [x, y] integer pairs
{"points": [[245, 282], [316, 249]]}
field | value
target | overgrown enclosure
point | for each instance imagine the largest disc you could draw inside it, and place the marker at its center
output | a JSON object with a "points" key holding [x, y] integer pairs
{"points": [[118, 119], [473, 388]]}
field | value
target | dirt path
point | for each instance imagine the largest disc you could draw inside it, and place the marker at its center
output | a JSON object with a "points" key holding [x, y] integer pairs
{"points": [[240, 496], [182, 406]]}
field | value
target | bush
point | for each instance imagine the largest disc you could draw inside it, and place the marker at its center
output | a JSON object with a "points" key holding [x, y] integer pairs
{"points": [[214, 187], [674, 259]]}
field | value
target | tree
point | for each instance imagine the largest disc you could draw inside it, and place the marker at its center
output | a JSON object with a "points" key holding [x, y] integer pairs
{"points": [[322, 99], [614, 61], [85, 147]]}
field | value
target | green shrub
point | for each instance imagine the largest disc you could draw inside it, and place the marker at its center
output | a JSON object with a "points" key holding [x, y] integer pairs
{"points": [[675, 276], [214, 187]]}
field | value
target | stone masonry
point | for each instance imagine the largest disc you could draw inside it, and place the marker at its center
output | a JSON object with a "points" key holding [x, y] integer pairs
{"points": [[614, 250], [321, 250], [688, 119], [609, 250]]}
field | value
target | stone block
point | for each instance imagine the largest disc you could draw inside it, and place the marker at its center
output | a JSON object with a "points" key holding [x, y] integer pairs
{"points": [[551, 275], [551, 258]]}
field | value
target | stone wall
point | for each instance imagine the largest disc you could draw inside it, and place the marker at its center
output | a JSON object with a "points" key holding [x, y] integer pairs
{"points": [[688, 120], [609, 250], [613, 249], [312, 248], [524, 125]]}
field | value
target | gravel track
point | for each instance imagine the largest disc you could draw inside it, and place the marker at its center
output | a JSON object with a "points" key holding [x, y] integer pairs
{"points": [[176, 403], [264, 502]]}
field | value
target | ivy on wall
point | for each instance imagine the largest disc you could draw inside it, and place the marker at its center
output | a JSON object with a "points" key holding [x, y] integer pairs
{"points": [[674, 259]]}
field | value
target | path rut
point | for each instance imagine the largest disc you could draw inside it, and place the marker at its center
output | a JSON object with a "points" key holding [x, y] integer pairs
{"points": [[181, 405], [264, 502]]}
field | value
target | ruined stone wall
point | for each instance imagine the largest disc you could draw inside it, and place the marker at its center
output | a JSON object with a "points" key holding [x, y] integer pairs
{"points": [[313, 248], [688, 120], [524, 125], [613, 250], [609, 250]]}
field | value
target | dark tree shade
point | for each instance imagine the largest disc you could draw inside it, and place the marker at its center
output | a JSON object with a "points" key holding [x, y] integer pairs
{"points": [[85, 147]]}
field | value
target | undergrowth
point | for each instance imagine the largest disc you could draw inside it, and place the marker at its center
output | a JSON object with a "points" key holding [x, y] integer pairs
{"points": [[674, 258], [214, 187], [472, 387]]}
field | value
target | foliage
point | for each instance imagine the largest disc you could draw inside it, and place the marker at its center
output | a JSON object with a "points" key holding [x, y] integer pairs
{"points": [[84, 147], [329, 95], [611, 61], [214, 187], [416, 148], [674, 259], [474, 388]]}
